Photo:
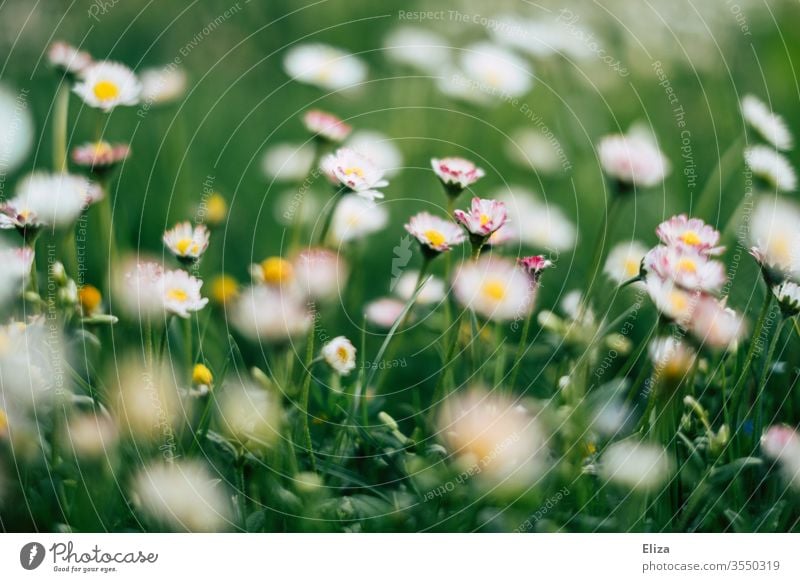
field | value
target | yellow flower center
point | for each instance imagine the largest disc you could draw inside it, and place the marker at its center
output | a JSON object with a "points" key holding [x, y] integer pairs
{"points": [[434, 237], [185, 245], [276, 270], [678, 301], [354, 170], [691, 238], [106, 90], [687, 265], [101, 148], [494, 290], [24, 214], [178, 295], [89, 298], [781, 249], [342, 353], [632, 267], [484, 219]]}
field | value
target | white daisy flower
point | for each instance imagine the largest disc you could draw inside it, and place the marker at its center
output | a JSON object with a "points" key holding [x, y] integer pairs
{"points": [[772, 167], [418, 48], [483, 218], [624, 261], [775, 238], [340, 354], [185, 242], [182, 495], [788, 295], [671, 300], [266, 314], [456, 174], [355, 217], [379, 148], [780, 441], [495, 288], [542, 225], [67, 58], [384, 312], [769, 125], [90, 436], [687, 268], [324, 66], [100, 156], [672, 358], [435, 235], [145, 399], [452, 83], [17, 263], [181, 293], [16, 127], [320, 273], [530, 148], [640, 466], [163, 84], [632, 160], [431, 293], [137, 291], [692, 233], [43, 199], [250, 415], [496, 70], [326, 125], [715, 325], [354, 171], [106, 84], [288, 162]]}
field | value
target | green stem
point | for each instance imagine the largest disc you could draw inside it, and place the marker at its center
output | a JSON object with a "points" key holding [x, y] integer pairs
{"points": [[599, 245], [328, 220], [762, 381], [736, 391], [521, 349], [187, 346], [304, 397], [60, 128], [107, 232]]}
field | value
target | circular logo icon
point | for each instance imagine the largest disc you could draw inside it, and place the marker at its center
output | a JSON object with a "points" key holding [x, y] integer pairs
{"points": [[31, 555]]}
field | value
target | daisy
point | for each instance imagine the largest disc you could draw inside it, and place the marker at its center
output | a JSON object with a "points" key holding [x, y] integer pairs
{"points": [[250, 415], [716, 325], [541, 225], [624, 261], [502, 236], [640, 466], [355, 217], [17, 129], [788, 295], [100, 156], [273, 271], [68, 59], [530, 148], [671, 300], [355, 172], [181, 293], [326, 126], [534, 265], [163, 84], [496, 70], [632, 160], [138, 291], [340, 355], [384, 312], [287, 161], [435, 235], [185, 242], [771, 167], [324, 66], [106, 84], [672, 358], [779, 441], [43, 199], [769, 125], [494, 288], [266, 314], [456, 173], [775, 238], [685, 267], [379, 148], [484, 217], [146, 400], [90, 436], [693, 233], [418, 48], [432, 292], [320, 273]]}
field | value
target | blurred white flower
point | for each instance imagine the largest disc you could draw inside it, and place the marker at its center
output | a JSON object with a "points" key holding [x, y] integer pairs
{"points": [[531, 148], [137, 291], [495, 288], [163, 84], [185, 242], [671, 300], [769, 125], [715, 325], [250, 415], [770, 166], [100, 155], [624, 260], [354, 171], [384, 312], [288, 161], [692, 233], [106, 84], [183, 496], [418, 48], [146, 403], [340, 354], [356, 217], [640, 466], [326, 125], [17, 263], [68, 59], [632, 160], [432, 292], [44, 199], [541, 225], [16, 129], [266, 314], [781, 443], [90, 436], [320, 273], [325, 66], [671, 357], [379, 148], [435, 235], [775, 238], [496, 70]]}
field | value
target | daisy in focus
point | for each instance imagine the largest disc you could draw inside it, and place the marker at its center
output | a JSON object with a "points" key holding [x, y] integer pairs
{"points": [[482, 219], [692, 233], [106, 85], [354, 171], [187, 243], [340, 355], [435, 235], [180, 293], [456, 174]]}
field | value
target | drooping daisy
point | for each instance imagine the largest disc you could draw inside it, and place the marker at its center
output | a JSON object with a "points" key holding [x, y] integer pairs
{"points": [[632, 160], [320, 273], [672, 300], [693, 233], [181, 293], [100, 156], [340, 354], [355, 217], [639, 466], [384, 312], [542, 225], [355, 172], [326, 126], [788, 295], [456, 174], [162, 85], [775, 238], [771, 167], [273, 271], [287, 161], [107, 84], [68, 59], [433, 291], [187, 243], [687, 268], [379, 148], [435, 235], [534, 266], [44, 199], [267, 314], [671, 357], [483, 218], [716, 325], [496, 70], [417, 47], [495, 288], [769, 125], [325, 66], [624, 261]]}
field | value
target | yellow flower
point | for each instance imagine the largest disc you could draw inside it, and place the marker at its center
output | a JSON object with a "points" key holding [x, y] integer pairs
{"points": [[201, 375], [216, 209], [89, 297], [276, 271], [223, 289]]}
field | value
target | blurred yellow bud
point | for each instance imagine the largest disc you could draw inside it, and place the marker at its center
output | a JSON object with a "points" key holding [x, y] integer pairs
{"points": [[201, 375], [223, 289]]}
